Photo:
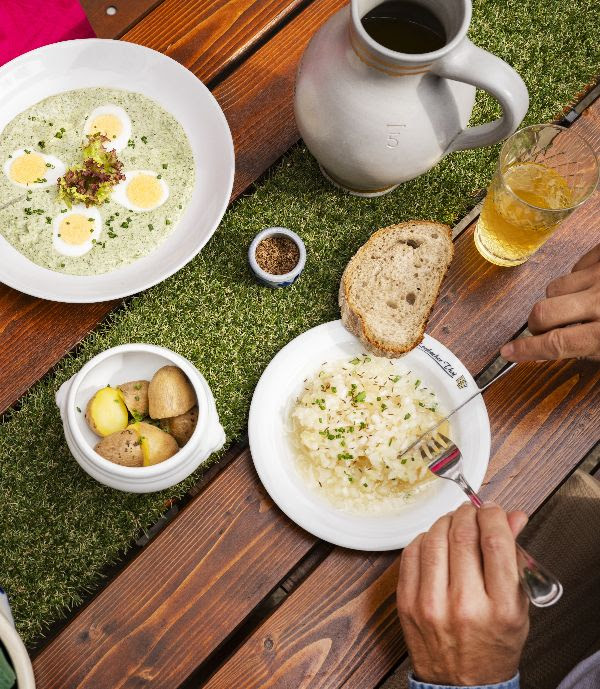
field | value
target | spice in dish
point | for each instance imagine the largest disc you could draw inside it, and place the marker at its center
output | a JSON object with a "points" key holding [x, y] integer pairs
{"points": [[277, 255]]}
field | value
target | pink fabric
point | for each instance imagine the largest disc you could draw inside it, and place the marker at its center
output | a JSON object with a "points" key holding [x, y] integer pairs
{"points": [[29, 24]]}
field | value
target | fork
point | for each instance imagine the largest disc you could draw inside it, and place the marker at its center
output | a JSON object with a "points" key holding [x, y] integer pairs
{"points": [[445, 461]]}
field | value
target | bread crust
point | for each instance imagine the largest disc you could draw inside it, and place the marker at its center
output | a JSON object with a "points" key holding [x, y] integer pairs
{"points": [[352, 318]]}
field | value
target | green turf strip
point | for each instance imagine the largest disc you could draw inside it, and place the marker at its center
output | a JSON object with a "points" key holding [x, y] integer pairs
{"points": [[59, 528]]}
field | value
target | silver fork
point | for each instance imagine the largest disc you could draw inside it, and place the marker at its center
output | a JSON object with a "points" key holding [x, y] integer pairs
{"points": [[445, 460]]}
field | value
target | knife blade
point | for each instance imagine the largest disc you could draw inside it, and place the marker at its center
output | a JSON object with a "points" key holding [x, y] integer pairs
{"points": [[480, 390]]}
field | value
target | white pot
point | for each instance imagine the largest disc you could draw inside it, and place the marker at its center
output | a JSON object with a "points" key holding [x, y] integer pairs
{"points": [[120, 365], [15, 648]]}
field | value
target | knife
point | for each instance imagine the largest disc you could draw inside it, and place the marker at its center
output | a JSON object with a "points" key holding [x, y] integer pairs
{"points": [[480, 390]]}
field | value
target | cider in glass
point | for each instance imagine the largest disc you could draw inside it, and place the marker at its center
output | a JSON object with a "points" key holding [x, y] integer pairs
{"points": [[544, 173]]}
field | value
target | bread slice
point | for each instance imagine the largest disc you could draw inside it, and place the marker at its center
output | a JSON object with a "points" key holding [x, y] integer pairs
{"points": [[390, 285]]}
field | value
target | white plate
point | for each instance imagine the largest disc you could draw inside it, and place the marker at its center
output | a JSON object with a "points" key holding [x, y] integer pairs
{"points": [[273, 454], [116, 64]]}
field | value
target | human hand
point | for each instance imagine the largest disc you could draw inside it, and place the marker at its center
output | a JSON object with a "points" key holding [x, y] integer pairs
{"points": [[572, 300], [463, 612]]}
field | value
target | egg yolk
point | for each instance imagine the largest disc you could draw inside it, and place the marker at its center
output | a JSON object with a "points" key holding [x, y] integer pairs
{"points": [[26, 169], [144, 191], [75, 229], [109, 125]]}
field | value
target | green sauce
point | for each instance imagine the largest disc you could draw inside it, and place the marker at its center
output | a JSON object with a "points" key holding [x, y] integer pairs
{"points": [[158, 142]]}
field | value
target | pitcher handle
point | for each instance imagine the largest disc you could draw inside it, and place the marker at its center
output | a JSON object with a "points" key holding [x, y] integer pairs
{"points": [[472, 65]]}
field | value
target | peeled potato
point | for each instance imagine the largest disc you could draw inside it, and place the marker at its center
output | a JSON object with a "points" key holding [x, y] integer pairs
{"points": [[135, 396], [170, 393], [106, 412], [122, 447], [156, 444], [181, 427]]}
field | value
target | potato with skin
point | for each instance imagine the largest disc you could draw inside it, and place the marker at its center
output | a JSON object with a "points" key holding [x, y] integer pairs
{"points": [[122, 447], [135, 396], [156, 444], [106, 412], [181, 427], [170, 393]]}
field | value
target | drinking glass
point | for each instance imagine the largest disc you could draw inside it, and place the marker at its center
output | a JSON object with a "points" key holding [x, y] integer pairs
{"points": [[544, 173]]}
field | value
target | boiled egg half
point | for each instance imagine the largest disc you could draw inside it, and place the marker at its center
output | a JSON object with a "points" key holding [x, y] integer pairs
{"points": [[76, 231], [141, 190], [111, 121], [33, 169]]}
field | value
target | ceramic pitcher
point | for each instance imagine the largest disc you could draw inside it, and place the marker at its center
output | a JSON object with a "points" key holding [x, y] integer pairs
{"points": [[374, 118]]}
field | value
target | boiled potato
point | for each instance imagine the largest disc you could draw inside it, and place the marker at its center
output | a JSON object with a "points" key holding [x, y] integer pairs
{"points": [[181, 427], [170, 393], [156, 444], [122, 447], [106, 412], [135, 396]]}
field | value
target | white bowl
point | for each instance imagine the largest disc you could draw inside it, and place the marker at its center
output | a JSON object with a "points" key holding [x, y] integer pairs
{"points": [[120, 365], [91, 62]]}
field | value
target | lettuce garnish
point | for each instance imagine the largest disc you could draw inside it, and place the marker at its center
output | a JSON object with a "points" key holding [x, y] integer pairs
{"points": [[92, 181]]}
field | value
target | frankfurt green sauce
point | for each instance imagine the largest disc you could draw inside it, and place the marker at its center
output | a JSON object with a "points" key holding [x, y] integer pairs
{"points": [[158, 143]]}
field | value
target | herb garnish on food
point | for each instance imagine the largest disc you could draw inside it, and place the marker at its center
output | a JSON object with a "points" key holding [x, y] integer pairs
{"points": [[92, 181]]}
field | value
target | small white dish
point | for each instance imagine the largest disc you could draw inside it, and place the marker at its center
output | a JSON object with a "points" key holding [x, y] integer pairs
{"points": [[274, 459], [270, 279], [120, 365], [90, 62]]}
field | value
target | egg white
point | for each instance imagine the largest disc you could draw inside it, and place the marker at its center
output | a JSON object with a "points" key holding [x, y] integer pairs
{"points": [[54, 169], [119, 193], [121, 140], [66, 249]]}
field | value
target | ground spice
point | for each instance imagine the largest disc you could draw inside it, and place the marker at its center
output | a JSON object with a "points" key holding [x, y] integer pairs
{"points": [[277, 255]]}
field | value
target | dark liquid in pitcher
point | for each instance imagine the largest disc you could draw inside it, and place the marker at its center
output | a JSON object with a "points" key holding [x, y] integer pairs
{"points": [[405, 27]]}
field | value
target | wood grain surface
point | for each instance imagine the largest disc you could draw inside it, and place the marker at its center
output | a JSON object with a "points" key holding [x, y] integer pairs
{"points": [[209, 35], [183, 595], [35, 334], [319, 638], [112, 18], [339, 628]]}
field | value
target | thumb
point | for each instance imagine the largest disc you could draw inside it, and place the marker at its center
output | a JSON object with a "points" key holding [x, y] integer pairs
{"points": [[517, 521]]}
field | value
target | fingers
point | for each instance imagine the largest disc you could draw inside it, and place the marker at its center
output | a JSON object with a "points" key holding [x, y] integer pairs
{"points": [[517, 521], [564, 310], [409, 574], [433, 589], [562, 343], [578, 281], [588, 259], [499, 554], [464, 551]]}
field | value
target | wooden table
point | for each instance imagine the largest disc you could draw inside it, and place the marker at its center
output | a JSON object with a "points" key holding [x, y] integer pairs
{"points": [[230, 594]]}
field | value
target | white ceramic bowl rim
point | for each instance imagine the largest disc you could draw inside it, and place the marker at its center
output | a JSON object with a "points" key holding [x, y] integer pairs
{"points": [[169, 465], [277, 232]]}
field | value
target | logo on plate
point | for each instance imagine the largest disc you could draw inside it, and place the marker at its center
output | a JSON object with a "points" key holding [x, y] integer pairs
{"points": [[445, 365]]}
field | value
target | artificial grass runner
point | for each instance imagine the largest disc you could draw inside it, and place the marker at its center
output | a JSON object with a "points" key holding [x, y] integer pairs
{"points": [[58, 527]]}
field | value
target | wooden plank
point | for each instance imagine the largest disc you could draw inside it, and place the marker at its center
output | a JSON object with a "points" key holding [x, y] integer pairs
{"points": [[259, 109], [318, 637], [183, 595], [112, 18], [209, 35], [340, 627]]}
